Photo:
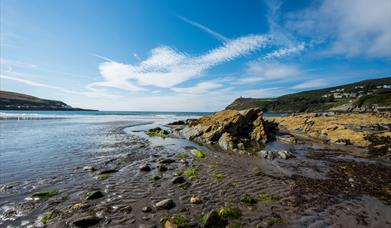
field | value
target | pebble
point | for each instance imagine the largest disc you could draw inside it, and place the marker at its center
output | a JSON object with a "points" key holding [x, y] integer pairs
{"points": [[165, 204], [195, 200], [86, 221], [145, 167], [94, 195], [146, 209], [162, 168], [178, 180]]}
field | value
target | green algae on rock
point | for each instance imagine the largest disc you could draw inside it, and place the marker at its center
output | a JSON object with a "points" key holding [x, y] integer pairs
{"points": [[198, 153], [46, 194], [230, 213], [157, 132]]}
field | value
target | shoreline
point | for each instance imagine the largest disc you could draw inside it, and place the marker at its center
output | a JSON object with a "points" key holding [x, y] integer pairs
{"points": [[316, 187]]}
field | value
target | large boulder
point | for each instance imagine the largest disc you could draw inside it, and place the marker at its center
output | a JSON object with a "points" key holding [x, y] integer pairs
{"points": [[230, 129]]}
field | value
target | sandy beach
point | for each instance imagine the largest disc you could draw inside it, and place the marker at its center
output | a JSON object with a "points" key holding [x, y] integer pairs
{"points": [[323, 185]]}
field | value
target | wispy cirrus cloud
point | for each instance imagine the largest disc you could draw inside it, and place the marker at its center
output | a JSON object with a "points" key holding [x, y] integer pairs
{"points": [[311, 84], [204, 28], [167, 67], [200, 88], [285, 51]]}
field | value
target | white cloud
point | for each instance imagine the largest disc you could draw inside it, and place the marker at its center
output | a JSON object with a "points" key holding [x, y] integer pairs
{"points": [[353, 27], [285, 51], [38, 84], [311, 84], [268, 71], [247, 80], [200, 88], [204, 28], [166, 67]]}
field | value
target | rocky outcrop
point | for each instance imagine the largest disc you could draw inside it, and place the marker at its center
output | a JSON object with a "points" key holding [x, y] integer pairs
{"points": [[230, 129], [369, 130]]}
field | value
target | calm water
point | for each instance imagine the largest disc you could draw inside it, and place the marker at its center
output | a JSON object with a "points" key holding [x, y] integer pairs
{"points": [[36, 144]]}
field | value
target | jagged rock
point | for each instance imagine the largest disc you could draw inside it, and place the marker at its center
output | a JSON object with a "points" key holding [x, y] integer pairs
{"points": [[86, 221], [165, 204], [230, 129], [226, 141]]}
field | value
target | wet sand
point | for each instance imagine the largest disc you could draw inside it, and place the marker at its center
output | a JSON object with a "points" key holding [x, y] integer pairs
{"points": [[322, 186]]}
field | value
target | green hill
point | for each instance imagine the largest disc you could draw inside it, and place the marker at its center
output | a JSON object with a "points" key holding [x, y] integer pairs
{"points": [[18, 101], [363, 94]]}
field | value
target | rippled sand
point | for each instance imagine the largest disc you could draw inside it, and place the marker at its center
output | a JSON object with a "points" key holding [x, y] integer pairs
{"points": [[322, 186]]}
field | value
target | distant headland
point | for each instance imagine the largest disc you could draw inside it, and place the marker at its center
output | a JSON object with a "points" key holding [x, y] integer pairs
{"points": [[17, 101]]}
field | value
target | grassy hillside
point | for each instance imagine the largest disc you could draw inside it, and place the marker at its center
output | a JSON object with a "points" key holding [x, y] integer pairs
{"points": [[368, 94], [18, 101]]}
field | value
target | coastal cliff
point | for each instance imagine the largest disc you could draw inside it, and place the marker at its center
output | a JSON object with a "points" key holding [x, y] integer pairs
{"points": [[18, 101]]}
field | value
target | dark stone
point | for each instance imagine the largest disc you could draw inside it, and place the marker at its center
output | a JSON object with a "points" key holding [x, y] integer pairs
{"points": [[86, 221], [108, 171], [213, 220], [178, 180], [94, 195], [162, 168], [145, 167], [167, 161], [179, 122]]}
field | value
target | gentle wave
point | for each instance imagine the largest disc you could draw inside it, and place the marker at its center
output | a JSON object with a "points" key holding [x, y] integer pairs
{"points": [[42, 115]]}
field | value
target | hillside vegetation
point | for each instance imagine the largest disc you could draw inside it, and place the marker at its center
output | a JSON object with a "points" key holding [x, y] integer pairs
{"points": [[363, 94], [18, 101]]}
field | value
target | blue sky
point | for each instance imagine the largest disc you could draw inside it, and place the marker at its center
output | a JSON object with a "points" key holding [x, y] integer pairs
{"points": [[188, 55]]}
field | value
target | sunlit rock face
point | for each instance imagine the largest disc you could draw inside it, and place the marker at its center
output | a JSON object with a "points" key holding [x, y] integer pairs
{"points": [[230, 129]]}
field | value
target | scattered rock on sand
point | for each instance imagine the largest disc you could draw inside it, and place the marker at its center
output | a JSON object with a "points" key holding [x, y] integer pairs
{"points": [[94, 195], [145, 167], [162, 168], [108, 171], [146, 209], [212, 220], [165, 204], [178, 180], [167, 161], [268, 154], [86, 221], [195, 200], [89, 168]]}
